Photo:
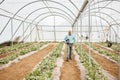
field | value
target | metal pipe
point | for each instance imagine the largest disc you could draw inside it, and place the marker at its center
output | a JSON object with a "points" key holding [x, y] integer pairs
{"points": [[43, 19], [34, 20], [54, 29], [11, 32], [89, 22], [80, 11]]}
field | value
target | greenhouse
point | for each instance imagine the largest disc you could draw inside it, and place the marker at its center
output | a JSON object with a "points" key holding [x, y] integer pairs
{"points": [[60, 40]]}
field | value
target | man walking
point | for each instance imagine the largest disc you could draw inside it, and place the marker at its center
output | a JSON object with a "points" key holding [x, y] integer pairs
{"points": [[69, 40]]}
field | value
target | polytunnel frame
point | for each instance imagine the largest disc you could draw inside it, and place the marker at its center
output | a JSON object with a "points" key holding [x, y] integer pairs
{"points": [[98, 2], [76, 20], [111, 19], [43, 14], [117, 43], [39, 22], [108, 15], [45, 17], [51, 15], [105, 8], [32, 3], [110, 26], [39, 16], [38, 10], [92, 5], [103, 1], [118, 36], [100, 18], [2, 2]]}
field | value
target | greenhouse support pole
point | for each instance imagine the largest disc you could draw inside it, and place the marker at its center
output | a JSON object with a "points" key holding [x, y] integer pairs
{"points": [[23, 31], [89, 20], [118, 44], [119, 61], [54, 30], [12, 32], [30, 34], [81, 33], [42, 33], [77, 32], [38, 33]]}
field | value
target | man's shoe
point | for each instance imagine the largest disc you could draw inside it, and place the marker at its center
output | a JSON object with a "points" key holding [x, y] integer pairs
{"points": [[67, 60]]}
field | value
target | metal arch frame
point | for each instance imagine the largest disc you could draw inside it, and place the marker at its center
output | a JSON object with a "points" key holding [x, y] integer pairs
{"points": [[40, 20], [110, 24], [65, 17], [100, 18], [45, 8], [107, 21], [43, 19], [108, 16], [41, 14], [48, 16], [32, 3], [106, 13], [105, 8], [104, 1], [2, 2], [71, 23], [40, 0]]}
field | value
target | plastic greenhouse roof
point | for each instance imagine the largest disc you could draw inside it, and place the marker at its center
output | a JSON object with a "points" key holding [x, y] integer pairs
{"points": [[15, 15]]}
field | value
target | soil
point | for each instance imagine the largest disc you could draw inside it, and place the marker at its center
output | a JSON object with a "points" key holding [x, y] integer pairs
{"points": [[69, 70], [18, 71], [106, 64]]}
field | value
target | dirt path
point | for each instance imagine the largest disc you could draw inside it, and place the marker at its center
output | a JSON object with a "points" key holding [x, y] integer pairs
{"points": [[69, 70], [106, 64], [105, 48], [19, 70]]}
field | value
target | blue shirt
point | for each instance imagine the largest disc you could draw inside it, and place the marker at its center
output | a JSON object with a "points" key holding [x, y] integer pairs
{"points": [[71, 38]]}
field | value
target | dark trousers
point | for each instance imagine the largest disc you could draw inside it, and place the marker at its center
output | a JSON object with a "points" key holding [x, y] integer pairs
{"points": [[69, 49]]}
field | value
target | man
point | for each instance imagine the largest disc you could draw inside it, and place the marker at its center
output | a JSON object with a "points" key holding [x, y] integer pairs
{"points": [[69, 40]]}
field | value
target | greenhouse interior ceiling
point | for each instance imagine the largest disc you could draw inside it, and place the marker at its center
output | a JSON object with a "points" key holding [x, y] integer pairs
{"points": [[59, 39], [50, 20]]}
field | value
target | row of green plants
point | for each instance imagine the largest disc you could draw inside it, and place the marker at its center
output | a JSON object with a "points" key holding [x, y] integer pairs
{"points": [[13, 56], [14, 47], [114, 45], [92, 69], [45, 67], [112, 56]]}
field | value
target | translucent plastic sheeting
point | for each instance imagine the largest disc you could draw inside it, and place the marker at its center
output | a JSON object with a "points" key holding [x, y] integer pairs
{"points": [[22, 18]]}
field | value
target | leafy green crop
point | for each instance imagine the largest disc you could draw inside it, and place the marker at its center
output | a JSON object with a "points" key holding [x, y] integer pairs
{"points": [[11, 57], [14, 47], [112, 56], [93, 70], [44, 69]]}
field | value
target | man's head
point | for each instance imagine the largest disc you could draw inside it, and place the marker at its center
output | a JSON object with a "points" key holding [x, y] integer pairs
{"points": [[69, 32]]}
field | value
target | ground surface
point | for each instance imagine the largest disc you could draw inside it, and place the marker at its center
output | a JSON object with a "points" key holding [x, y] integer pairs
{"points": [[69, 70], [106, 64], [18, 71]]}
